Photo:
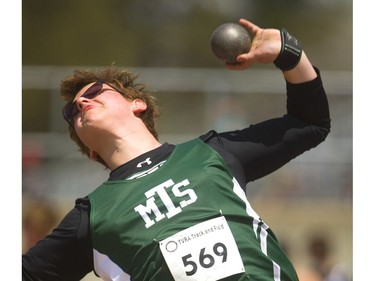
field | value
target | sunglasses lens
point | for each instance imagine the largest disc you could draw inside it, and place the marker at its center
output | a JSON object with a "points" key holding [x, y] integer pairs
{"points": [[71, 110], [93, 91]]}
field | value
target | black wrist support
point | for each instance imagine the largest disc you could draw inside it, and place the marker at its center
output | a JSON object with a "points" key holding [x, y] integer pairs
{"points": [[290, 53]]}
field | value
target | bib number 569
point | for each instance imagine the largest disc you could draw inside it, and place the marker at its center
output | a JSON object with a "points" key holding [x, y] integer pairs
{"points": [[205, 260]]}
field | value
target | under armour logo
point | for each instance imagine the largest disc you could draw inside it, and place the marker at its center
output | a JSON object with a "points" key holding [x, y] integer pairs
{"points": [[147, 161]]}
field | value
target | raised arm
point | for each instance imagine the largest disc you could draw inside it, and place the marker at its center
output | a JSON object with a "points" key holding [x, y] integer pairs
{"points": [[264, 147]]}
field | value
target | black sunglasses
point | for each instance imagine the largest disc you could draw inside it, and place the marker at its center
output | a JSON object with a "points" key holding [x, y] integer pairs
{"points": [[70, 110]]}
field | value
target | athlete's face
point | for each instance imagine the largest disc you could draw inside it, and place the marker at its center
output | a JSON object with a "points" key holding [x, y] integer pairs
{"points": [[105, 112]]}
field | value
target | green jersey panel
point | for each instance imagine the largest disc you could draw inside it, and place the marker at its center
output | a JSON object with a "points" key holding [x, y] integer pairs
{"points": [[130, 218]]}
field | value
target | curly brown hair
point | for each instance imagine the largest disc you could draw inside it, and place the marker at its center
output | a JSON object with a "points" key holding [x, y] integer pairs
{"points": [[121, 80]]}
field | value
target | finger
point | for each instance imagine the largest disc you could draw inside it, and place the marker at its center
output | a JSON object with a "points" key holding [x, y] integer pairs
{"points": [[237, 66], [249, 25], [248, 58]]}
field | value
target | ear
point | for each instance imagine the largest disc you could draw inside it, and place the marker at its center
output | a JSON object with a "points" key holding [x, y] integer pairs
{"points": [[93, 155], [138, 106]]}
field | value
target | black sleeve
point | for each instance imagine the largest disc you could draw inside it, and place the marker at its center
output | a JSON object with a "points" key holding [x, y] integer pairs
{"points": [[264, 147], [66, 253]]}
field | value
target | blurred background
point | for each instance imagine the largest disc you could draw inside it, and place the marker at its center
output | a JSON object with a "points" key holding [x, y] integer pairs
{"points": [[168, 44]]}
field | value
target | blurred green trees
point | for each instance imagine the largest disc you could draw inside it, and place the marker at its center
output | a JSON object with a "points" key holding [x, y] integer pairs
{"points": [[173, 33]]}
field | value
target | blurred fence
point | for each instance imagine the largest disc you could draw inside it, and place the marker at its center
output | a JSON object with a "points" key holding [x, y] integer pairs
{"points": [[192, 102]]}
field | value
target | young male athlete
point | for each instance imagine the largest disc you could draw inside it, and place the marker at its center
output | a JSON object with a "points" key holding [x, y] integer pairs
{"points": [[178, 212]]}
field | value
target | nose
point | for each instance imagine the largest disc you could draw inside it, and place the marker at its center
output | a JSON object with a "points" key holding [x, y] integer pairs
{"points": [[81, 102]]}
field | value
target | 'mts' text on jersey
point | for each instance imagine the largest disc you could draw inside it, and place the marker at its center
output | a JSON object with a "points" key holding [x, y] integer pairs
{"points": [[178, 190]]}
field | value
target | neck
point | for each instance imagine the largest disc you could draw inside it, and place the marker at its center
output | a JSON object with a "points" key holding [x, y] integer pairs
{"points": [[122, 150]]}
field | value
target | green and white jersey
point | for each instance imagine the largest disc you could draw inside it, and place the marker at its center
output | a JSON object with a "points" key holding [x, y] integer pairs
{"points": [[187, 219]]}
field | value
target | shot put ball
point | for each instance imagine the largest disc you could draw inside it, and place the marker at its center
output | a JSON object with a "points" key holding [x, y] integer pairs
{"points": [[230, 40]]}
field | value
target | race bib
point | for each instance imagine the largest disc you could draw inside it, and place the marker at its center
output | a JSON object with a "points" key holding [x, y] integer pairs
{"points": [[206, 251]]}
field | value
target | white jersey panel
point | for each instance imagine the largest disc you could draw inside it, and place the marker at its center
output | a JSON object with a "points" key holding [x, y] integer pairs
{"points": [[107, 269]]}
